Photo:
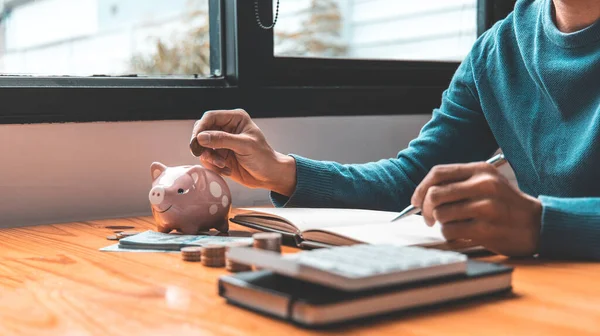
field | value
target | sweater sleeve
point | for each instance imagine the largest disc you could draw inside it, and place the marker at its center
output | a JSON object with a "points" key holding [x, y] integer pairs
{"points": [[457, 132], [570, 228]]}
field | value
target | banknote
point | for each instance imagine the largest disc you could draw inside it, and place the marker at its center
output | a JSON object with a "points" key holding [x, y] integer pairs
{"points": [[174, 242], [117, 248]]}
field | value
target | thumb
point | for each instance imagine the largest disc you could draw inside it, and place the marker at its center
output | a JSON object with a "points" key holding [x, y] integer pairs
{"points": [[218, 139]]}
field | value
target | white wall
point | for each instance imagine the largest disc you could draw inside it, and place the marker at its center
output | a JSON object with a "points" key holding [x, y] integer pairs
{"points": [[73, 172]]}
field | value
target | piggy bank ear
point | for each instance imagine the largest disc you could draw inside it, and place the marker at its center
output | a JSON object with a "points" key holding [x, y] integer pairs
{"points": [[156, 169], [198, 174]]}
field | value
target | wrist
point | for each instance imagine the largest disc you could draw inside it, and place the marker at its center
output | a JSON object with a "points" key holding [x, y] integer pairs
{"points": [[536, 223], [285, 175]]}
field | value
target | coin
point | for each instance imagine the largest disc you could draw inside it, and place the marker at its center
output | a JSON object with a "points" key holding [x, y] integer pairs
{"points": [[267, 241], [213, 255], [191, 249], [213, 262], [271, 246], [195, 147], [127, 234], [233, 266], [213, 250], [112, 237], [191, 253], [267, 235], [270, 241]]}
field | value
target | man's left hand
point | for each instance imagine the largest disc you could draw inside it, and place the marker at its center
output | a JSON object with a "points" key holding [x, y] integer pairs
{"points": [[474, 201]]}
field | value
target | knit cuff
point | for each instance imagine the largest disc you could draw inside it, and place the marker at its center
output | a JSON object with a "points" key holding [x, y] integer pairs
{"points": [[570, 228], [313, 185]]}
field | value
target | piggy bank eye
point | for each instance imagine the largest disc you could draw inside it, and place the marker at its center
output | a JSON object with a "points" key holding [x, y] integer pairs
{"points": [[181, 191]]}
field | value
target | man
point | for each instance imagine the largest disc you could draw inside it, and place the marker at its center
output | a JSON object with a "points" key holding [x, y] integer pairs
{"points": [[530, 85]]}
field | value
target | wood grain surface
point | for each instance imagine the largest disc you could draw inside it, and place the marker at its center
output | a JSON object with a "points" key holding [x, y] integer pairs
{"points": [[54, 281]]}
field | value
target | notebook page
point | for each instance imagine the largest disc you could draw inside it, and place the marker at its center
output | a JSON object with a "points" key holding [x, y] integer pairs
{"points": [[411, 230], [318, 218]]}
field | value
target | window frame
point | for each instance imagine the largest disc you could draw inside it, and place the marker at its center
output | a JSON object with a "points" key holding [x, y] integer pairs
{"points": [[252, 77]]}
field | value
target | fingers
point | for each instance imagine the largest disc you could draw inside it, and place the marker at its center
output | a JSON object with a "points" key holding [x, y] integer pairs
{"points": [[472, 220], [480, 210], [211, 157], [450, 193], [163, 229], [240, 144], [212, 162], [227, 120], [461, 230], [477, 187], [445, 174], [221, 171]]}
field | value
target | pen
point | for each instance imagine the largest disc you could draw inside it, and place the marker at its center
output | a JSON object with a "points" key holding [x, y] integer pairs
{"points": [[496, 161]]}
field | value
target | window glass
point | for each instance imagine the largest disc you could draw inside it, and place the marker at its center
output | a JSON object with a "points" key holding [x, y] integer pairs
{"points": [[104, 37], [376, 29]]}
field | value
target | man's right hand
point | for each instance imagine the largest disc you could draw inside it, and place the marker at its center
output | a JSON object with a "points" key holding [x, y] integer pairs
{"points": [[234, 146]]}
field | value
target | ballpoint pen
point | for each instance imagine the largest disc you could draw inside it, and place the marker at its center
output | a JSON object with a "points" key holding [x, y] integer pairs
{"points": [[496, 161]]}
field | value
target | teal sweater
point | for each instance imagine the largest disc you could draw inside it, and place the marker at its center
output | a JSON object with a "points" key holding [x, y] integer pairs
{"points": [[526, 88]]}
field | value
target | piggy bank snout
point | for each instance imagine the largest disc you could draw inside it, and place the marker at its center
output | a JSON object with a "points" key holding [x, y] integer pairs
{"points": [[157, 195]]}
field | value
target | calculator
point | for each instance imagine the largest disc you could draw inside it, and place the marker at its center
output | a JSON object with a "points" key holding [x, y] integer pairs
{"points": [[357, 267]]}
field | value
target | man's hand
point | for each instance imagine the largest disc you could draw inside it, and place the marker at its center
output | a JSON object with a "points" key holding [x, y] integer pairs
{"points": [[474, 201], [234, 146]]}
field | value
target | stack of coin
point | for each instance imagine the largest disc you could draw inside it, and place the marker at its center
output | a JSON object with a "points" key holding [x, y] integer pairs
{"points": [[270, 241], [213, 255], [233, 266], [191, 253]]}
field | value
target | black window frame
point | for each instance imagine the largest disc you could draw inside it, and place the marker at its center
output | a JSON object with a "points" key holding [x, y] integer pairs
{"points": [[252, 77]]}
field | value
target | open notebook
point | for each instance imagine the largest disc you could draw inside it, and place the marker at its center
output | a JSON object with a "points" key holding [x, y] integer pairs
{"points": [[312, 227]]}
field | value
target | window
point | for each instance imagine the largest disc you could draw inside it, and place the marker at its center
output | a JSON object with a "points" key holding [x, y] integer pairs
{"points": [[105, 37], [113, 60], [377, 29]]}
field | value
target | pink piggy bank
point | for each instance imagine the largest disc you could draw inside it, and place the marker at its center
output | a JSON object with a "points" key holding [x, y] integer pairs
{"points": [[189, 199]]}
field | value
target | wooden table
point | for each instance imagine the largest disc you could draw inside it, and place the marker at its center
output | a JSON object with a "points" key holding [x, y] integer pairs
{"points": [[54, 281]]}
